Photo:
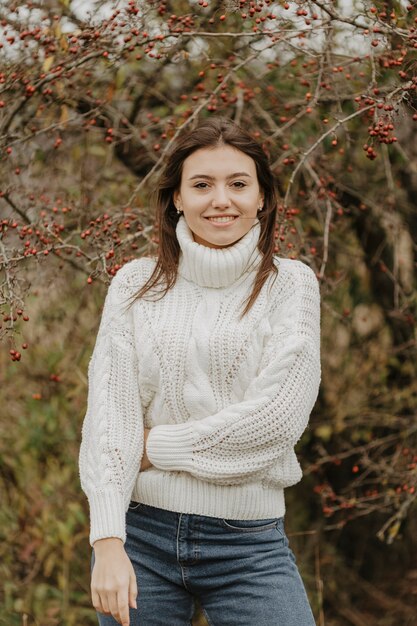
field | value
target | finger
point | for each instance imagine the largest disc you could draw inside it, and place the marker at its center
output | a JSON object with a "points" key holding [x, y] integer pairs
{"points": [[114, 606], [133, 591], [95, 599], [105, 603], [123, 608]]}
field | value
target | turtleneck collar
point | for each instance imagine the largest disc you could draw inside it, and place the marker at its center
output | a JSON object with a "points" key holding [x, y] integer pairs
{"points": [[217, 267]]}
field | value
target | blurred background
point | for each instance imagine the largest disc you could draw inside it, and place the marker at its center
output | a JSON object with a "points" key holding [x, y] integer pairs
{"points": [[92, 95]]}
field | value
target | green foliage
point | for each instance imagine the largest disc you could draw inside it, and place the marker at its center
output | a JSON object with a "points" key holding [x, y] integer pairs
{"points": [[352, 218]]}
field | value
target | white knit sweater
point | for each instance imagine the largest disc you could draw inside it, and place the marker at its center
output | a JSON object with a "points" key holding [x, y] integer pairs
{"points": [[226, 399]]}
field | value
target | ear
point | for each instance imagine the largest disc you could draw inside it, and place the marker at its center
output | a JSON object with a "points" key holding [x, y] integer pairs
{"points": [[175, 196]]}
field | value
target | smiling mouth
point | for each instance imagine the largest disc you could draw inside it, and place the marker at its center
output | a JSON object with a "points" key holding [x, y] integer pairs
{"points": [[222, 220]]}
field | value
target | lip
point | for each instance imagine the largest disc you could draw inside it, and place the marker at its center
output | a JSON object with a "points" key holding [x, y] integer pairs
{"points": [[221, 215], [222, 224]]}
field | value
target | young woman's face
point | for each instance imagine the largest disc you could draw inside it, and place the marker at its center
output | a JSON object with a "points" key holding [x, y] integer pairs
{"points": [[219, 195]]}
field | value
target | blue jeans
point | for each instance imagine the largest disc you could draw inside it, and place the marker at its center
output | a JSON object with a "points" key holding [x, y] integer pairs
{"points": [[242, 571]]}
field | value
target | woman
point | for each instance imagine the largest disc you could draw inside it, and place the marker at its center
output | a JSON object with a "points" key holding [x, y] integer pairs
{"points": [[204, 373]]}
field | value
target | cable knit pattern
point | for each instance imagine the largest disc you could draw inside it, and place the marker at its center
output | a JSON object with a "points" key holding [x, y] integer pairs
{"points": [[226, 398], [112, 432]]}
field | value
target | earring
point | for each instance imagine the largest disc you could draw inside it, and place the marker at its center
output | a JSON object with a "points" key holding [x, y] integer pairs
{"points": [[260, 208], [178, 211]]}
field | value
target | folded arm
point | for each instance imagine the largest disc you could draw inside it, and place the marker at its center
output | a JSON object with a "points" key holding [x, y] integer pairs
{"points": [[241, 442]]}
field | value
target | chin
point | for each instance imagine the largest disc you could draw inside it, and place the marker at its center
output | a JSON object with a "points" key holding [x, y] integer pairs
{"points": [[218, 242]]}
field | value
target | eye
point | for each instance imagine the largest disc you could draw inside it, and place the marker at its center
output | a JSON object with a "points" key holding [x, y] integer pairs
{"points": [[197, 185], [239, 182]]}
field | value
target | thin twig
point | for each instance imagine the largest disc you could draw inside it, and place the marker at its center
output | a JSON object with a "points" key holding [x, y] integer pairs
{"points": [[326, 237], [330, 131]]}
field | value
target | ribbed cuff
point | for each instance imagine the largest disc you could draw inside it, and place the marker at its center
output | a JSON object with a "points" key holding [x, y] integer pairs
{"points": [[169, 446], [107, 516]]}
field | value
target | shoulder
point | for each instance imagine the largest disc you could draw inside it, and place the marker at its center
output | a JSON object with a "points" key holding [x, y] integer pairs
{"points": [[295, 270], [294, 280], [132, 276], [134, 272]]}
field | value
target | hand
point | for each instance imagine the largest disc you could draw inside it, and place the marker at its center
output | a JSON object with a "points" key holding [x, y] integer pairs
{"points": [[145, 464], [113, 581]]}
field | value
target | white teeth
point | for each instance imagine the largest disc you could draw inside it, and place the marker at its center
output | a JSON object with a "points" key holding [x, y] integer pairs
{"points": [[221, 219]]}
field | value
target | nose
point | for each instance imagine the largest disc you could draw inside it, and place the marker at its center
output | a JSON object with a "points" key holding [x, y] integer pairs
{"points": [[220, 199]]}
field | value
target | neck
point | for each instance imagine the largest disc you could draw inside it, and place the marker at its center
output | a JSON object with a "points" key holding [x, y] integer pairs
{"points": [[217, 267]]}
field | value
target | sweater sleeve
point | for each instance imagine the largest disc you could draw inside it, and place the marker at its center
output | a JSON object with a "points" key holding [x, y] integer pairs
{"points": [[242, 441], [112, 432]]}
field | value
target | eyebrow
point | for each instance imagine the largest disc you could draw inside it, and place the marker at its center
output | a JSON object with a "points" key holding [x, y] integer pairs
{"points": [[211, 177]]}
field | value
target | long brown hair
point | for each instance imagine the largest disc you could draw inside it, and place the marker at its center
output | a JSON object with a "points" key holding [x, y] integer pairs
{"points": [[213, 132]]}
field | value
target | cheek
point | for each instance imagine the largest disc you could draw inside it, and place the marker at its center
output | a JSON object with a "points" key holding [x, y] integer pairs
{"points": [[192, 200]]}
